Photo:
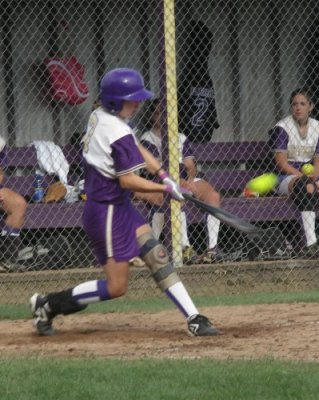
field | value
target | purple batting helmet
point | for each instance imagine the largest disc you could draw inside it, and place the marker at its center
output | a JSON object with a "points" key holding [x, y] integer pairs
{"points": [[122, 84]]}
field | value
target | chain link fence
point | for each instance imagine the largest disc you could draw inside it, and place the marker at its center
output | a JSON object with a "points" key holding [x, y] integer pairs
{"points": [[222, 73]]}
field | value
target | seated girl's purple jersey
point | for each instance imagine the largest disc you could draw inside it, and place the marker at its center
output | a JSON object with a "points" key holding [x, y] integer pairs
{"points": [[286, 138], [110, 150]]}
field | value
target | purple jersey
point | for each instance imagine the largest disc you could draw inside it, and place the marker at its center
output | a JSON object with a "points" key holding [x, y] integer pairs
{"points": [[110, 150]]}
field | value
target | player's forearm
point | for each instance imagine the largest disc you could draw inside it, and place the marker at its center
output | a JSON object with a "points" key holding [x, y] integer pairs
{"points": [[152, 198], [290, 170], [284, 166], [136, 183], [316, 166]]}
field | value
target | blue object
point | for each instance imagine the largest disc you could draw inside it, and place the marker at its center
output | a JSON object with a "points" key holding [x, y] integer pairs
{"points": [[38, 189]]}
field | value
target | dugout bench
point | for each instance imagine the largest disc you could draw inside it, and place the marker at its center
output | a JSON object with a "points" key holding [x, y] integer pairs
{"points": [[19, 165], [226, 165]]}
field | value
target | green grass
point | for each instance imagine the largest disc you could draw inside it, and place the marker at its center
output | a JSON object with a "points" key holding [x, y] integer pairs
{"points": [[162, 303], [33, 379]]}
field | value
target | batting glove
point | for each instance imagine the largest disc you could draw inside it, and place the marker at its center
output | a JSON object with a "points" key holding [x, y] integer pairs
{"points": [[172, 187]]}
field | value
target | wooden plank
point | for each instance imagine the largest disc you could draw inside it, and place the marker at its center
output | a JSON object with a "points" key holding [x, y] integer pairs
{"points": [[230, 151], [213, 152], [24, 184], [26, 157], [65, 215], [226, 180], [253, 209], [54, 215]]}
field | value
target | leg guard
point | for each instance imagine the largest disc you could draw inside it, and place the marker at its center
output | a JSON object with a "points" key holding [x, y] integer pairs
{"points": [[156, 258], [64, 303], [304, 201]]}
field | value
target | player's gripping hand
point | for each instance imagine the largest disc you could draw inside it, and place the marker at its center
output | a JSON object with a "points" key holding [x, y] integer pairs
{"points": [[172, 187]]}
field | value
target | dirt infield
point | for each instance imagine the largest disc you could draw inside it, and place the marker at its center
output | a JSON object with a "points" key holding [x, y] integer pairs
{"points": [[281, 331]]}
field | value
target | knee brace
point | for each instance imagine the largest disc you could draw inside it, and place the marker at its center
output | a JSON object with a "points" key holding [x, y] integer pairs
{"points": [[304, 201], [156, 258]]}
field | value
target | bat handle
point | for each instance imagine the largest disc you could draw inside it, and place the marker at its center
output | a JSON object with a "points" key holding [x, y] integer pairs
{"points": [[188, 196]]}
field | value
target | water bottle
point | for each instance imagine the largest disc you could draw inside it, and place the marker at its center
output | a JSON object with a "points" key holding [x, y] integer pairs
{"points": [[38, 193]]}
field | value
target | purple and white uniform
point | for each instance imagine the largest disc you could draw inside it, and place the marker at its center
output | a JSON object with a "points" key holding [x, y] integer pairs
{"points": [[153, 143], [110, 150], [286, 139]]}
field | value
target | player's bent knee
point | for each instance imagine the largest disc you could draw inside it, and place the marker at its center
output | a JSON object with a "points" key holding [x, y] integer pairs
{"points": [[22, 206], [304, 200], [117, 290], [156, 258], [14, 202]]}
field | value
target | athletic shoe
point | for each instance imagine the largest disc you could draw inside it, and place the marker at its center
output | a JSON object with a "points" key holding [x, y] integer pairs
{"points": [[9, 266], [41, 250], [210, 257], [199, 325], [42, 317], [189, 255], [25, 254], [285, 252], [312, 252], [279, 254]]}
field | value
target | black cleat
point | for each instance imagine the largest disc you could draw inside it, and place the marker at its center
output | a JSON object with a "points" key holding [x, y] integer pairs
{"points": [[41, 313], [312, 252], [199, 325]]}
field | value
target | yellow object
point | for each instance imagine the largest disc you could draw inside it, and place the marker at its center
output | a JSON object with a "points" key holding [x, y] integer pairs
{"points": [[172, 122], [263, 184], [308, 169], [83, 196]]}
